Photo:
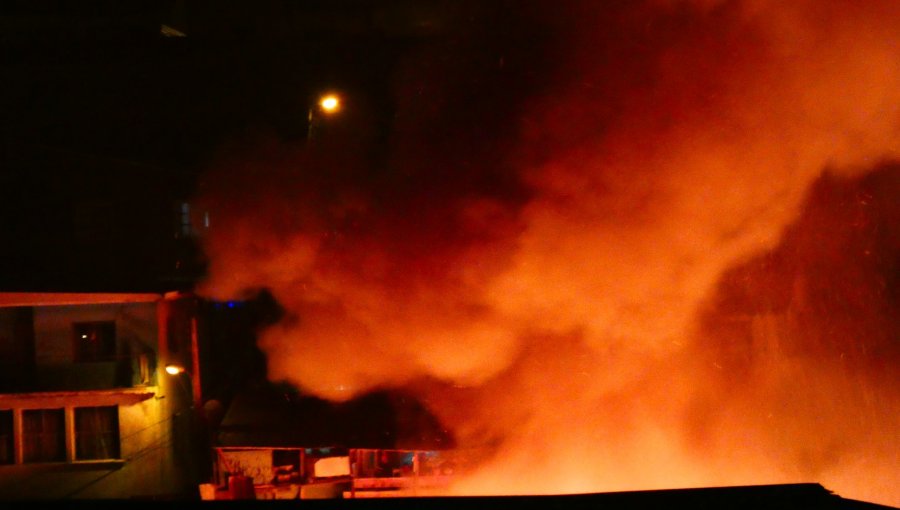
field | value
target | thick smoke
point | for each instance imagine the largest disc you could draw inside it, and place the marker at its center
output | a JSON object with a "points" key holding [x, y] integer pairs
{"points": [[564, 250]]}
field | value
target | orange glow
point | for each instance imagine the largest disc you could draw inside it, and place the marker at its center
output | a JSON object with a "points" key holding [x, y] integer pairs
{"points": [[662, 304], [174, 369], [330, 103]]}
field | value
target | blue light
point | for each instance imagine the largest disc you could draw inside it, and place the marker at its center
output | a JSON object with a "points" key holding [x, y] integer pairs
{"points": [[218, 305]]}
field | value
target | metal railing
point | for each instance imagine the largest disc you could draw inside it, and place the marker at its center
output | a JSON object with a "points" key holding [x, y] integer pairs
{"points": [[370, 471], [67, 375]]}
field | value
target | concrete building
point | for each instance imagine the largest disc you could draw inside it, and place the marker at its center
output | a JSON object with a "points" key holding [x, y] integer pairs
{"points": [[87, 409]]}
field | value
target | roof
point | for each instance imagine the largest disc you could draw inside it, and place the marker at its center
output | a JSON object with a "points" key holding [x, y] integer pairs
{"points": [[12, 299], [806, 496], [9, 299]]}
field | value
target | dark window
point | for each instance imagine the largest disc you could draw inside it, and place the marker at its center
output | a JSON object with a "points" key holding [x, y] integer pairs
{"points": [[95, 341], [7, 454], [286, 465], [183, 227], [96, 433], [44, 435], [285, 458]]}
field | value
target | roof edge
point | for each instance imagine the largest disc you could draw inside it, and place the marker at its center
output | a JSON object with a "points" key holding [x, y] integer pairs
{"points": [[11, 299]]}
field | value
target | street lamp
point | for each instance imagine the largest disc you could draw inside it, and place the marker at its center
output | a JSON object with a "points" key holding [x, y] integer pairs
{"points": [[176, 371], [330, 103], [173, 369], [327, 105], [191, 421]]}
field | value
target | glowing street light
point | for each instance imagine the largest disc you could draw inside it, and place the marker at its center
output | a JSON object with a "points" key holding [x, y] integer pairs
{"points": [[330, 103], [173, 369], [327, 105]]}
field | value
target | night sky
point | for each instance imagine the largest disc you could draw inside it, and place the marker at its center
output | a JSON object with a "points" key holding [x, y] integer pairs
{"points": [[106, 123]]}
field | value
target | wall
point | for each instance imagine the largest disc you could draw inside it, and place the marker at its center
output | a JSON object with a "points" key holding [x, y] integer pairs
{"points": [[146, 468], [136, 334], [16, 349], [159, 432]]}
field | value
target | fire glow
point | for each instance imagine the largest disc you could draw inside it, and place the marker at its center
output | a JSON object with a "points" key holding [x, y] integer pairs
{"points": [[582, 321]]}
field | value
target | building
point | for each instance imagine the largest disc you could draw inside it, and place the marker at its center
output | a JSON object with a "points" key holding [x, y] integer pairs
{"points": [[288, 445], [87, 409]]}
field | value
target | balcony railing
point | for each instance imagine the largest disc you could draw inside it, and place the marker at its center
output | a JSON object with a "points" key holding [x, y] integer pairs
{"points": [[118, 372]]}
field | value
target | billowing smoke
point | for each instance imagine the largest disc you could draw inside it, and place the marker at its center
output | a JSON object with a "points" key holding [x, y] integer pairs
{"points": [[585, 248]]}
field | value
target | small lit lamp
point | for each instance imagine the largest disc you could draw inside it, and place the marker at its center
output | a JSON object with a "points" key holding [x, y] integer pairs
{"points": [[173, 369], [330, 103], [194, 411], [192, 392], [327, 105]]}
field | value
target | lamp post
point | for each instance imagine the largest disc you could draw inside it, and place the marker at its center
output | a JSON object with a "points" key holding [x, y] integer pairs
{"points": [[197, 442], [176, 370], [327, 104]]}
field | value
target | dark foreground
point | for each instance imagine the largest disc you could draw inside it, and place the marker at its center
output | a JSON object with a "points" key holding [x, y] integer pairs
{"points": [[794, 496]]}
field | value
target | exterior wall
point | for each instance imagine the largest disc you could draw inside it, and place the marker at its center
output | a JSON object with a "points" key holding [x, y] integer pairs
{"points": [[179, 328], [136, 336], [7, 324], [141, 468], [159, 432], [16, 349]]}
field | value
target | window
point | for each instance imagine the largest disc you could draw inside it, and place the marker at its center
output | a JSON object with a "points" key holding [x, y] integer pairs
{"points": [[7, 454], [95, 341], [184, 219], [96, 433], [284, 458], [44, 435]]}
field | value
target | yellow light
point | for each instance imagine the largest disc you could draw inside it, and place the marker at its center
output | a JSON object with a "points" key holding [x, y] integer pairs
{"points": [[330, 103], [174, 369]]}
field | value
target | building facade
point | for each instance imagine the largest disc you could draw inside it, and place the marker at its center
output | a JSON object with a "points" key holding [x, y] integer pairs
{"points": [[87, 409]]}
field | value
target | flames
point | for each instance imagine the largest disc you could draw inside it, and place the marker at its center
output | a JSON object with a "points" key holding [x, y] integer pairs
{"points": [[597, 274]]}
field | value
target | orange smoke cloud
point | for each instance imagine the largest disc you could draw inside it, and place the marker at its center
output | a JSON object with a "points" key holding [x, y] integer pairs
{"points": [[551, 249]]}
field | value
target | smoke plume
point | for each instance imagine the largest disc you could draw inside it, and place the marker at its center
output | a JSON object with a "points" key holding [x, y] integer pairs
{"points": [[585, 247]]}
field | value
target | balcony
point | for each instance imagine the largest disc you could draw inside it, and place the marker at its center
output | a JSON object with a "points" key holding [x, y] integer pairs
{"points": [[120, 372]]}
